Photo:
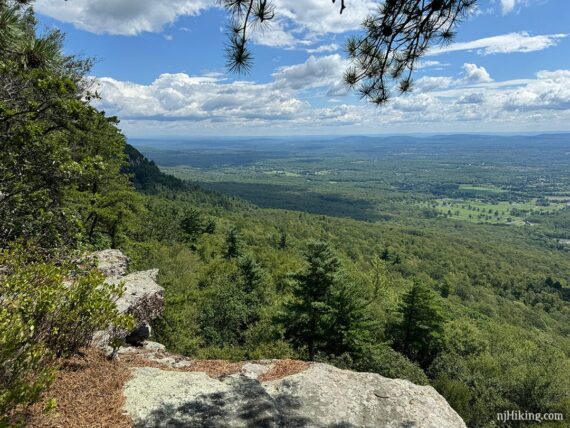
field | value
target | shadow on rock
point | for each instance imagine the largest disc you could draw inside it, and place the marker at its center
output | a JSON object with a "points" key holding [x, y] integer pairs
{"points": [[245, 404]]}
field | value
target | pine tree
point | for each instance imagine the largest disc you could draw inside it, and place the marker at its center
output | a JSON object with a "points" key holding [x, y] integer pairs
{"points": [[328, 315], [383, 56], [282, 240], [308, 316], [253, 282], [418, 333], [60, 158], [353, 327], [192, 225], [233, 249]]}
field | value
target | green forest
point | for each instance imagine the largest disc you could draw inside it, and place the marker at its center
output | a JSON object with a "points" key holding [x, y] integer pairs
{"points": [[447, 266]]}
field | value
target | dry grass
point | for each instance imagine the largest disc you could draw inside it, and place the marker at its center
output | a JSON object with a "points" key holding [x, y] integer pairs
{"points": [[213, 368], [89, 388], [284, 368], [89, 394]]}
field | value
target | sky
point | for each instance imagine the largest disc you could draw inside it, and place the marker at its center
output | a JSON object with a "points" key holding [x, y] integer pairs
{"points": [[160, 68]]}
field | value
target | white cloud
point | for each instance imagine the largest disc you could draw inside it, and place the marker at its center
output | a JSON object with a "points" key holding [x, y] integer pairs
{"points": [[416, 103], [507, 5], [505, 43], [431, 83], [333, 47], [131, 17], [430, 64], [178, 104], [313, 73], [277, 35], [124, 17], [472, 74], [320, 17], [190, 98], [550, 91], [475, 74], [473, 98]]}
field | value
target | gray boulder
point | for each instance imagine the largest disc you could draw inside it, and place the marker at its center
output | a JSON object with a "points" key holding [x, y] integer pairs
{"points": [[320, 396], [111, 262], [143, 297]]}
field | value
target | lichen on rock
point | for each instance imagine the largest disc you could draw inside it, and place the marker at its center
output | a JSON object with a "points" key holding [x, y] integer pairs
{"points": [[319, 396], [143, 298]]}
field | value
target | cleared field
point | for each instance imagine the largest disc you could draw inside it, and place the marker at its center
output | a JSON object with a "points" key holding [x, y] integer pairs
{"points": [[487, 212]]}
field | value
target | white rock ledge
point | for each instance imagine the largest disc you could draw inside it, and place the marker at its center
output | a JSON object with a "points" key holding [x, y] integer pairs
{"points": [[320, 396]]}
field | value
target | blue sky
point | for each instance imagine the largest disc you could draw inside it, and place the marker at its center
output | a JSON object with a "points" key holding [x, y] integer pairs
{"points": [[160, 68]]}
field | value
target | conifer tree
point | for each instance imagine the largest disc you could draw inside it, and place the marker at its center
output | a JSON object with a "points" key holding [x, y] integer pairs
{"points": [[418, 333], [328, 315], [353, 327], [60, 158], [233, 249], [253, 280], [282, 240], [309, 315], [192, 225]]}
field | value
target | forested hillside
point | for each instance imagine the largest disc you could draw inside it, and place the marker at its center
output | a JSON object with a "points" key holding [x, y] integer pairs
{"points": [[479, 312]]}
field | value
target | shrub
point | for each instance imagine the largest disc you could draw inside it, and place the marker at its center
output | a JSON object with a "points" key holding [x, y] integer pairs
{"points": [[385, 361], [47, 311], [25, 367]]}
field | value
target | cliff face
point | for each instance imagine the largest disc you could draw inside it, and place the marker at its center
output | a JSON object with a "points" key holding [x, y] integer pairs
{"points": [[171, 390]]}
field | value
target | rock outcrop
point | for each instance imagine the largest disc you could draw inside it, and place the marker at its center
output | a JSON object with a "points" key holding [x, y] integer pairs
{"points": [[167, 390], [143, 297], [319, 396], [111, 262]]}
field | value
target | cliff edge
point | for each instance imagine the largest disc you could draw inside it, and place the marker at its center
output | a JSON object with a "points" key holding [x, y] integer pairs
{"points": [[167, 390]]}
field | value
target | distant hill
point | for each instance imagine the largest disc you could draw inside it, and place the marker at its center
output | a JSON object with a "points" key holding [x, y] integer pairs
{"points": [[146, 176]]}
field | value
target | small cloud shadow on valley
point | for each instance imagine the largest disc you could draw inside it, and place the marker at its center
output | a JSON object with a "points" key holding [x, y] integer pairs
{"points": [[298, 198]]}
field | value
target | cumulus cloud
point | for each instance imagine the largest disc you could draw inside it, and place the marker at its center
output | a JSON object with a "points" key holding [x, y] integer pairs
{"points": [[333, 47], [315, 72], [474, 74], [124, 17], [431, 83], [131, 17], [179, 103], [550, 91], [417, 103], [320, 17], [505, 43], [183, 97], [474, 98], [278, 35]]}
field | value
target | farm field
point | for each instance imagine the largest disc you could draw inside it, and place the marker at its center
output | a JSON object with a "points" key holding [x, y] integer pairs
{"points": [[510, 213]]}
